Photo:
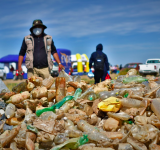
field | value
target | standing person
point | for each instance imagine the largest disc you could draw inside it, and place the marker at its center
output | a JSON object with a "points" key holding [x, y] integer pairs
{"points": [[100, 61], [38, 48]]}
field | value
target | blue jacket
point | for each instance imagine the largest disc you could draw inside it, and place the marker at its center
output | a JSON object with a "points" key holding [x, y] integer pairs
{"points": [[92, 59]]}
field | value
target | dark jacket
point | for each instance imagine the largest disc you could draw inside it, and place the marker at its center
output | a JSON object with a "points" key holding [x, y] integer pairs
{"points": [[39, 54], [92, 59]]}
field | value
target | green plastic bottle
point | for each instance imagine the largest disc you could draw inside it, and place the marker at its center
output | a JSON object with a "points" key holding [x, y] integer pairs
{"points": [[77, 93], [134, 79], [56, 106]]}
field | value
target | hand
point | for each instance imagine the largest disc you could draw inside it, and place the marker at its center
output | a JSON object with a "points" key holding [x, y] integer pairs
{"points": [[61, 66], [20, 70]]}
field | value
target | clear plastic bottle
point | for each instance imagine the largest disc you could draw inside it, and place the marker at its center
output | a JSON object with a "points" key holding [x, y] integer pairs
{"points": [[121, 115], [60, 88], [86, 93], [10, 110], [92, 131], [107, 94], [77, 93], [134, 79], [77, 79], [65, 75], [93, 96], [155, 105]]}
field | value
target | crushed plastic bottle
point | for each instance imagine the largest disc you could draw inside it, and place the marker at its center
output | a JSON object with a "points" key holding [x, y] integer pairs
{"points": [[134, 79], [77, 93], [10, 110]]}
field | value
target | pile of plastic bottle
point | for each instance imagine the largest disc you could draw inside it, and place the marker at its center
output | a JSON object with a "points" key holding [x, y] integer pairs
{"points": [[67, 113]]}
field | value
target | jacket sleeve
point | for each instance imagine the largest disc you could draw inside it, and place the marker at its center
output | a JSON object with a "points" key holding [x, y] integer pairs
{"points": [[91, 60], [23, 48], [106, 62], [53, 48]]}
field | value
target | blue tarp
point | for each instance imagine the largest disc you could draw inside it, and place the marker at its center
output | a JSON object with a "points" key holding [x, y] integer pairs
{"points": [[10, 58]]}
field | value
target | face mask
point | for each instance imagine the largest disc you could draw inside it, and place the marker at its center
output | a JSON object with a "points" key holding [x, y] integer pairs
{"points": [[37, 31]]}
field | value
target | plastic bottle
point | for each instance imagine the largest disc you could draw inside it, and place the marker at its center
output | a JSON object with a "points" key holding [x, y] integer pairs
{"points": [[93, 132], [129, 103], [92, 96], [60, 88], [77, 93], [121, 115], [6, 140], [77, 79], [60, 138], [56, 106], [47, 82], [107, 94], [10, 110], [155, 105], [134, 79], [65, 75], [86, 93]]}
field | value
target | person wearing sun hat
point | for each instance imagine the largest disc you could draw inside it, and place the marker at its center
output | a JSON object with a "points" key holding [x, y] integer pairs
{"points": [[38, 48]]}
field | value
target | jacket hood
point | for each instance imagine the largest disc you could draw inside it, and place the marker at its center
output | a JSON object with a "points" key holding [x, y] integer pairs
{"points": [[99, 47]]}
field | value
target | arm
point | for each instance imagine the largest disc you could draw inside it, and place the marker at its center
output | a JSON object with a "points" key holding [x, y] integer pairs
{"points": [[91, 61], [55, 55], [106, 62], [21, 56]]}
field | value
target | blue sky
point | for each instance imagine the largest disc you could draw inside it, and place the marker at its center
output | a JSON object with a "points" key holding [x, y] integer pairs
{"points": [[128, 29]]}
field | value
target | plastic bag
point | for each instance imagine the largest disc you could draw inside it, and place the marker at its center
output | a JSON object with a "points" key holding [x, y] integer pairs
{"points": [[111, 104], [65, 75], [90, 74]]}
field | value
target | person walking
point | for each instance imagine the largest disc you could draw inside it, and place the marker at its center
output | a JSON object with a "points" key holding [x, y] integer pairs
{"points": [[38, 48], [100, 61]]}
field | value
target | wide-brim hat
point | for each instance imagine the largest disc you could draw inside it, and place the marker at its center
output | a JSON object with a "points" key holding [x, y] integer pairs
{"points": [[36, 23]]}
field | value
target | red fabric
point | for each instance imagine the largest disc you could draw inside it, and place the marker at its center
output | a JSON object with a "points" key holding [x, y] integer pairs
{"points": [[107, 76]]}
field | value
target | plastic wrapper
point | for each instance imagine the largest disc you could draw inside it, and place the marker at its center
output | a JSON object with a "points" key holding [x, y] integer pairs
{"points": [[121, 115], [20, 87], [60, 88], [73, 143], [39, 92], [144, 133], [10, 110], [111, 124], [152, 93], [47, 82], [131, 72], [15, 99], [67, 77], [44, 137], [111, 104], [141, 120], [12, 134], [93, 133]]}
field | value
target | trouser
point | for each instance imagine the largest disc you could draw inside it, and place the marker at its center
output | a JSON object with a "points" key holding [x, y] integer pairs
{"points": [[44, 72], [98, 75]]}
